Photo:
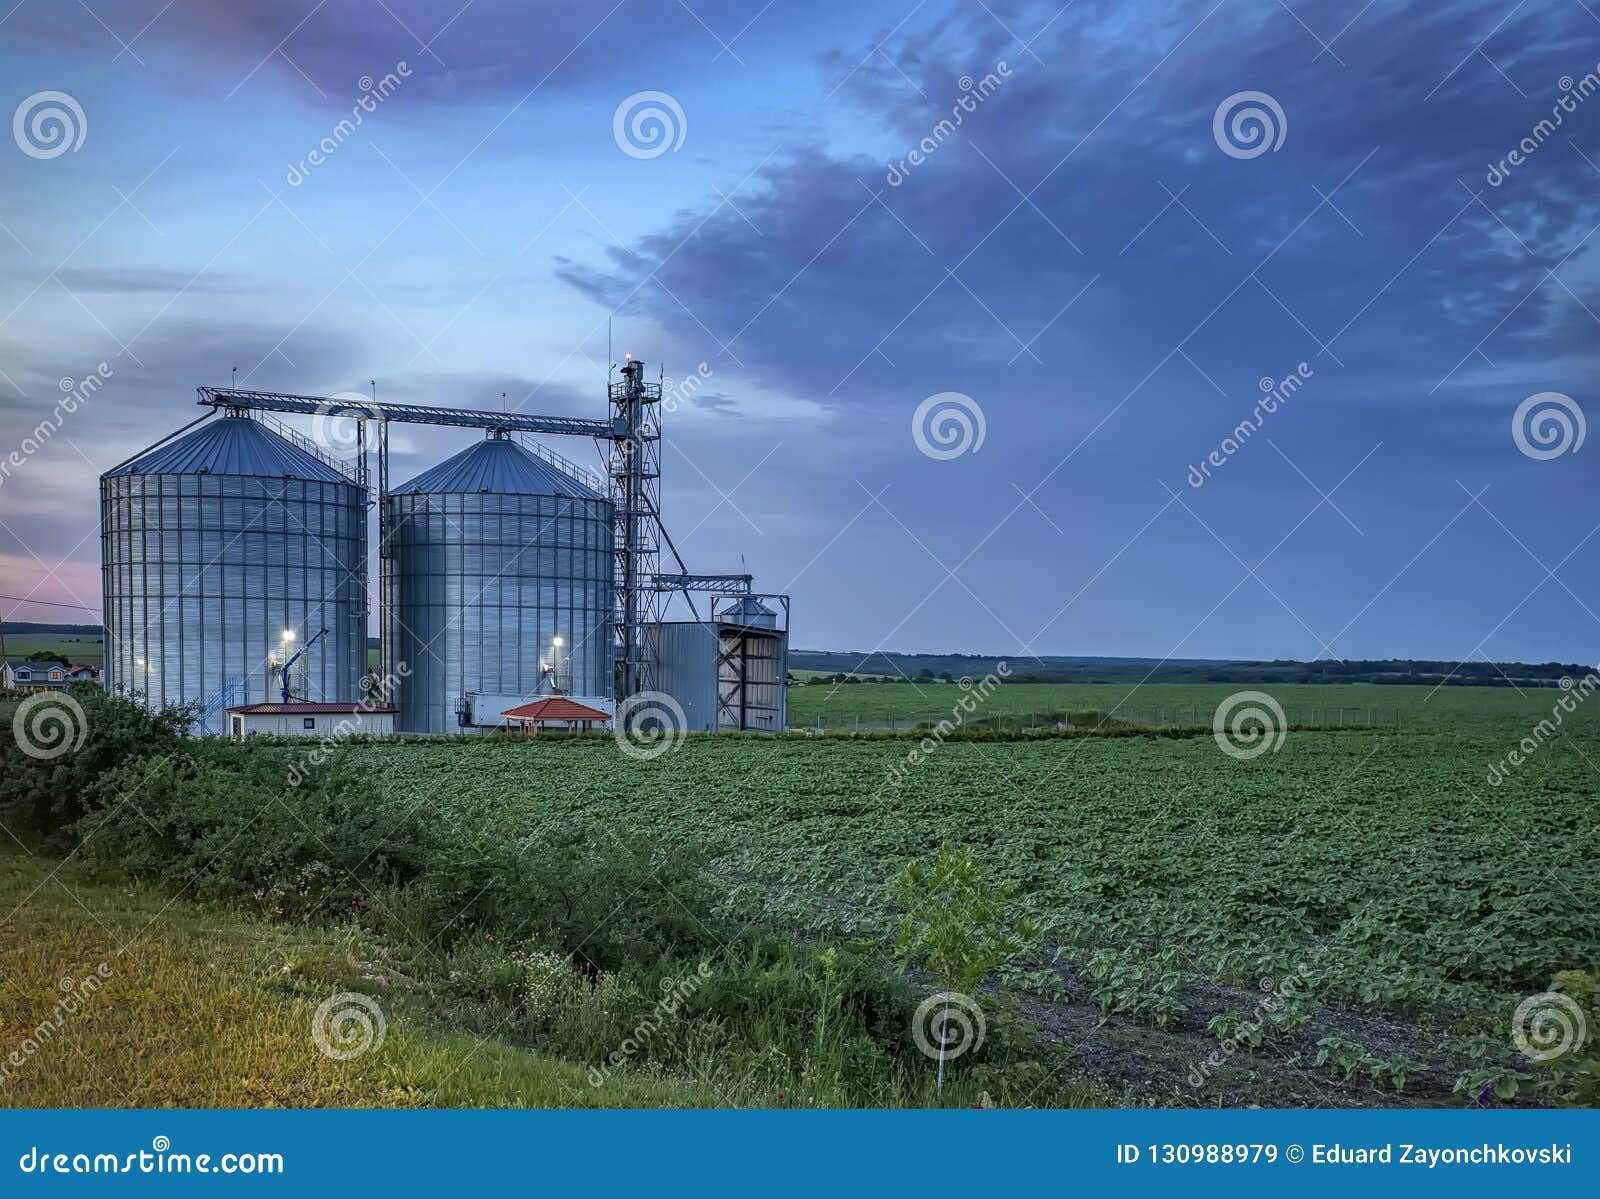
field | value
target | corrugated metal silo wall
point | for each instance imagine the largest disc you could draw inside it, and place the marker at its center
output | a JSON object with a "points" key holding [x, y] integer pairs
{"points": [[475, 588], [683, 663], [201, 574]]}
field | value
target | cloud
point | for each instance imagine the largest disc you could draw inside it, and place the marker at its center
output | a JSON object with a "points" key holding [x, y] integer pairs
{"points": [[819, 275], [465, 53]]}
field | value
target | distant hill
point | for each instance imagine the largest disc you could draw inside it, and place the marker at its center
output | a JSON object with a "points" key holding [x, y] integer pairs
{"points": [[93, 631]]}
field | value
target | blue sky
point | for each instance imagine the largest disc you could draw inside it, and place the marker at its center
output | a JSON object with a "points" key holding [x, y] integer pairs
{"points": [[1081, 258]]}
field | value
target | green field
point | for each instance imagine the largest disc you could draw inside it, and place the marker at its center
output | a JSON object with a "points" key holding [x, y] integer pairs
{"points": [[74, 650], [1353, 917], [1420, 904], [836, 706]]}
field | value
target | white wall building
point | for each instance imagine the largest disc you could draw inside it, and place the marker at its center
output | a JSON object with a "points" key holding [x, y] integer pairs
{"points": [[315, 721]]}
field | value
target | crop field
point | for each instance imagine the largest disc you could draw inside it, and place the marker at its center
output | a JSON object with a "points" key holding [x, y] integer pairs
{"points": [[1351, 916], [74, 650], [1393, 905], [836, 705]]}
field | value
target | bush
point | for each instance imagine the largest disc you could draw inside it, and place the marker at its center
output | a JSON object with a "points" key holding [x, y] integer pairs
{"points": [[610, 897], [48, 797], [223, 822]]}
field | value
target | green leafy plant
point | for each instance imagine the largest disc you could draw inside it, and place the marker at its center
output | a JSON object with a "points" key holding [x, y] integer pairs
{"points": [[958, 926]]}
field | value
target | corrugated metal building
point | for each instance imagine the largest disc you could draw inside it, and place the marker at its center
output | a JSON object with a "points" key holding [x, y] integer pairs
{"points": [[212, 547], [727, 673], [497, 580]]}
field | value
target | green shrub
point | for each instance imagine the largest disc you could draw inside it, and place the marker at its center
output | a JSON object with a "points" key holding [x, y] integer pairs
{"points": [[228, 823], [48, 796]]}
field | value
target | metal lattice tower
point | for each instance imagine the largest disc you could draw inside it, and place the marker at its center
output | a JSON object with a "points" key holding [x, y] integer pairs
{"points": [[634, 466]]}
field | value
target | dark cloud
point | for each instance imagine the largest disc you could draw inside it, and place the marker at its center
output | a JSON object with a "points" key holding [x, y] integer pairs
{"points": [[813, 273], [719, 404]]}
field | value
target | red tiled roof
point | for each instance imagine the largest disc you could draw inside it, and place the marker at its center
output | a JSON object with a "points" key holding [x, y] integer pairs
{"points": [[293, 709], [555, 708]]}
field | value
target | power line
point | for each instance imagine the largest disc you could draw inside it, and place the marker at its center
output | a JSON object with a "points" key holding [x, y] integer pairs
{"points": [[22, 599]]}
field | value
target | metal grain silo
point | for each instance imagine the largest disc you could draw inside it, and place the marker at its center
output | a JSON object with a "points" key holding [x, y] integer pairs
{"points": [[497, 583], [216, 544]]}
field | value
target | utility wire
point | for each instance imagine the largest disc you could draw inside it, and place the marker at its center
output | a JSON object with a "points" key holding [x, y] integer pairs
{"points": [[22, 599]]}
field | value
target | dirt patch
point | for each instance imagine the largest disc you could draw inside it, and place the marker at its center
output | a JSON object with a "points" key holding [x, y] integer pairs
{"points": [[1161, 1063]]}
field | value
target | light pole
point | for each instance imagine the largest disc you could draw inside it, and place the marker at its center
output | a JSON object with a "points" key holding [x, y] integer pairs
{"points": [[555, 665]]}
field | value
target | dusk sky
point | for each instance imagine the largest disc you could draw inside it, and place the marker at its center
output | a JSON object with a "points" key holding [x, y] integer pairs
{"points": [[1098, 260]]}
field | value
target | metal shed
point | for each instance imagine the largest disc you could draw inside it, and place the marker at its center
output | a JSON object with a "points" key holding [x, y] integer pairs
{"points": [[727, 673]]}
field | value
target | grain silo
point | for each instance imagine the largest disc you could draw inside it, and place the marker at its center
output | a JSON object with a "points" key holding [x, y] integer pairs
{"points": [[222, 552], [497, 584]]}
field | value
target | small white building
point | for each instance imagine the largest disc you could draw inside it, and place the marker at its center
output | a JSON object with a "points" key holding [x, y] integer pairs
{"points": [[315, 721]]}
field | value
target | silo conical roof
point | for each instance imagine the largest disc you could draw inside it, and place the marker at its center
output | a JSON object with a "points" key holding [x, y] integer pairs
{"points": [[749, 611], [499, 466], [232, 445]]}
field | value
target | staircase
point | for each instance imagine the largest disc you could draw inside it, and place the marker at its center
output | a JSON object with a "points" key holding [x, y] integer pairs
{"points": [[219, 700]]}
